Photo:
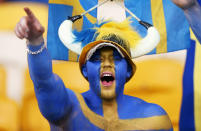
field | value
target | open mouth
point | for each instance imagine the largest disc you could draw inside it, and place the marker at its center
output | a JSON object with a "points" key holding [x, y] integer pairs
{"points": [[107, 79]]}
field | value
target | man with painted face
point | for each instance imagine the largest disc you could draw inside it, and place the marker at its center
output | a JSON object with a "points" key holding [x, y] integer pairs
{"points": [[107, 65]]}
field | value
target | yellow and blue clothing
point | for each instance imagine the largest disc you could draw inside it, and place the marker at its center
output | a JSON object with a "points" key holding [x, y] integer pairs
{"points": [[65, 109]]}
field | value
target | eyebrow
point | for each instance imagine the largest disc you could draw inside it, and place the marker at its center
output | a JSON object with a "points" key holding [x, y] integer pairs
{"points": [[111, 53]]}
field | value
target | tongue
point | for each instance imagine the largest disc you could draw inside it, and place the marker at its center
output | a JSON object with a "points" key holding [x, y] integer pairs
{"points": [[105, 83]]}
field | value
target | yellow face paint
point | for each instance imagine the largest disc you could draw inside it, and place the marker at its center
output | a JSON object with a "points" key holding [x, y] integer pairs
{"points": [[107, 74]]}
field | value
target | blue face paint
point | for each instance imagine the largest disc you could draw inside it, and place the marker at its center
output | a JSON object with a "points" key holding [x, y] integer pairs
{"points": [[93, 72], [121, 71]]}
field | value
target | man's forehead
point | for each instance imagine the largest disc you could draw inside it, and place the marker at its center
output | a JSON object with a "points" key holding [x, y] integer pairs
{"points": [[107, 50], [104, 47]]}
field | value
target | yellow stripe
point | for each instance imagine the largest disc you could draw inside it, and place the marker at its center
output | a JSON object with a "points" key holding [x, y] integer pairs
{"points": [[72, 56], [159, 22], [110, 113], [94, 118], [149, 123], [64, 2], [197, 84], [197, 88], [2, 82], [77, 10]]}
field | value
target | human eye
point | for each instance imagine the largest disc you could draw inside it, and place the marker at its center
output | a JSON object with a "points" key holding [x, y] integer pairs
{"points": [[117, 58], [95, 59]]}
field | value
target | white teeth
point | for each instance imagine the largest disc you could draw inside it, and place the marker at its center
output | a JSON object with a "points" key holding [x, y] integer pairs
{"points": [[107, 75]]}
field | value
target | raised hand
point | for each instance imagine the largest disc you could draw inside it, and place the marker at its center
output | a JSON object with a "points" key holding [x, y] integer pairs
{"points": [[192, 11], [29, 28], [185, 4]]}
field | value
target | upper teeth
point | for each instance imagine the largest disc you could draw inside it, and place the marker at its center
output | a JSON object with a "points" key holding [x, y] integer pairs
{"points": [[107, 75]]}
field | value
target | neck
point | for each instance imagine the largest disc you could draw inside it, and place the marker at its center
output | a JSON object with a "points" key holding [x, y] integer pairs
{"points": [[108, 106], [110, 111]]}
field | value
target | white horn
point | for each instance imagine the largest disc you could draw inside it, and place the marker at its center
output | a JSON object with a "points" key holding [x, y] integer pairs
{"points": [[68, 38], [147, 44]]}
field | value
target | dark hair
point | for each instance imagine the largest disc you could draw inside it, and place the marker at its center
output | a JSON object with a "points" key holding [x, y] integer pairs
{"points": [[119, 40]]}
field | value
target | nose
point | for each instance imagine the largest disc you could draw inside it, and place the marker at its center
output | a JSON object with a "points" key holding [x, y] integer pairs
{"points": [[107, 63]]}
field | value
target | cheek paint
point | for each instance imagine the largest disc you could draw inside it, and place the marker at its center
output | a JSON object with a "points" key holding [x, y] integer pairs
{"points": [[120, 72], [93, 70]]}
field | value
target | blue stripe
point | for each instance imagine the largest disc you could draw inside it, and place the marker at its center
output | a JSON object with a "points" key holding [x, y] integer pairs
{"points": [[142, 9], [136, 7], [87, 4], [178, 35], [87, 24], [57, 14], [187, 122], [199, 2]]}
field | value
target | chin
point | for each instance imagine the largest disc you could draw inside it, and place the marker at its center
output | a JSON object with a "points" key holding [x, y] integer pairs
{"points": [[108, 94]]}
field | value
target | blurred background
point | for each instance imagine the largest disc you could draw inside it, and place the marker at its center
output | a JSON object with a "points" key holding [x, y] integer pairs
{"points": [[158, 78], [15, 97]]}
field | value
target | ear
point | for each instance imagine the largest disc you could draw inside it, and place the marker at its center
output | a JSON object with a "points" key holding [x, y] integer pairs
{"points": [[84, 71], [129, 71]]}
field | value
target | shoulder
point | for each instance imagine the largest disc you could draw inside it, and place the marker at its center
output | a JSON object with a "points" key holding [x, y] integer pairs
{"points": [[143, 107], [73, 96], [155, 115], [154, 109], [152, 115], [138, 108]]}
